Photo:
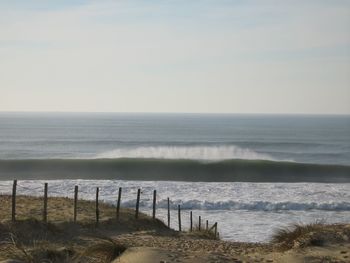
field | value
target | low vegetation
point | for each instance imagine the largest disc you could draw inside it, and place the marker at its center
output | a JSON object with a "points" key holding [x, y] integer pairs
{"points": [[31, 240], [104, 250], [307, 235]]}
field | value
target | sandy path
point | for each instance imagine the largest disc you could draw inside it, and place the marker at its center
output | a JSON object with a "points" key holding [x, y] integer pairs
{"points": [[154, 248], [185, 249]]}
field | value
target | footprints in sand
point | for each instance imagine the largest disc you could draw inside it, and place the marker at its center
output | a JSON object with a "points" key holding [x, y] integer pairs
{"points": [[344, 253], [184, 250]]}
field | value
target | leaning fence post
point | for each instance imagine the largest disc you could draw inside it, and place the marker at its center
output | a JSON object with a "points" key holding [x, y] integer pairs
{"points": [[199, 223], [179, 214], [118, 203], [191, 222], [75, 203], [154, 204], [97, 209], [137, 203], [45, 203], [207, 225], [168, 212], [216, 229], [14, 190]]}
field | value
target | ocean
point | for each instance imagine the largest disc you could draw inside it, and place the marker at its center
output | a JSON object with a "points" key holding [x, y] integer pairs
{"points": [[250, 173]]}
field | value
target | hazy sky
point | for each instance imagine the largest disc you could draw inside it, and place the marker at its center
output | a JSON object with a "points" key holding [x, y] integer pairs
{"points": [[239, 56]]}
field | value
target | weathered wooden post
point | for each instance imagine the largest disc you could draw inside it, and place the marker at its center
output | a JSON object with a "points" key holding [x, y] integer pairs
{"points": [[97, 208], [14, 190], [168, 212], [75, 204], [45, 203], [191, 222], [215, 229], [118, 202], [137, 203], [154, 204], [199, 223], [179, 214], [207, 225]]}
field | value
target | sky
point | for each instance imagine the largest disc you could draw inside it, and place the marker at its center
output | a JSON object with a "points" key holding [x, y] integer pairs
{"points": [[210, 56]]}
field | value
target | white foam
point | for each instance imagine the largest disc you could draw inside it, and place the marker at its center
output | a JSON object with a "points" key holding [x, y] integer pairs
{"points": [[187, 152], [251, 206]]}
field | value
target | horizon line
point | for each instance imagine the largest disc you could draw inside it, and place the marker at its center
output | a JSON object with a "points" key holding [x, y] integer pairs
{"points": [[185, 113]]}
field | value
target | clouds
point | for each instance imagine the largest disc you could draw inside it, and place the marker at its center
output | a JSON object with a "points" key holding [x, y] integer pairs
{"points": [[196, 56]]}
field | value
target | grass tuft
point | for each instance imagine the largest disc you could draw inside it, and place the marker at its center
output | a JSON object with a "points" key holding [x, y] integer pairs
{"points": [[306, 235], [38, 252], [294, 231]]}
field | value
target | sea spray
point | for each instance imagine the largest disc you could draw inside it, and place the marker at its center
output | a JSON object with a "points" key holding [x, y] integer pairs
{"points": [[207, 153]]}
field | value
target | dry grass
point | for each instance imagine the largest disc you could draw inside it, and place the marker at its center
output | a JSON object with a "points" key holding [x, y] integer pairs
{"points": [[39, 251], [104, 250], [60, 240], [314, 234], [60, 209], [294, 232]]}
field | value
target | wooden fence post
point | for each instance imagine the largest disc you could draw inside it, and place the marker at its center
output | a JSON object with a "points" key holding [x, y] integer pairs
{"points": [[199, 223], [216, 229], [14, 190], [75, 203], [154, 204], [137, 203], [191, 222], [97, 209], [119, 200], [45, 203], [179, 214], [207, 225], [168, 212]]}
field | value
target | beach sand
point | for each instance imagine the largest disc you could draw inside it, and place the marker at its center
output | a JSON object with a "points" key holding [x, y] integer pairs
{"points": [[144, 240]]}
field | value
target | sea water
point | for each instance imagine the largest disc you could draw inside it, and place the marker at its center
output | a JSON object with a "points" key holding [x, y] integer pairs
{"points": [[250, 173]]}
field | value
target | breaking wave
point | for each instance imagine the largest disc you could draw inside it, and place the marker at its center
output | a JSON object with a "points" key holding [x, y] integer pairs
{"points": [[173, 170], [208, 153]]}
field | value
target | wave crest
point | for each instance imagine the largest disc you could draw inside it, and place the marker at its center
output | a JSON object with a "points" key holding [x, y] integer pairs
{"points": [[208, 153]]}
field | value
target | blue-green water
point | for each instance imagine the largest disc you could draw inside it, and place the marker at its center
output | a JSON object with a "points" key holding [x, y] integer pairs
{"points": [[175, 146]]}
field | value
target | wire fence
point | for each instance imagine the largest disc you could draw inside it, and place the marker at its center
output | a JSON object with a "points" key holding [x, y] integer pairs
{"points": [[92, 193]]}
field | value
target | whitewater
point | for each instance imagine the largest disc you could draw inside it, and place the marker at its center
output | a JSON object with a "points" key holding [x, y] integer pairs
{"points": [[244, 211]]}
